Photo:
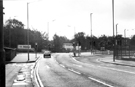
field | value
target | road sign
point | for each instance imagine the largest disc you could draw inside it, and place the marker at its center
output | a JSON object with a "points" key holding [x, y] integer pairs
{"points": [[24, 46]]}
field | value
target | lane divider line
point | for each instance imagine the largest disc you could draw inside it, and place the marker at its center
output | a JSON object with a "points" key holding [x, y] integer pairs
{"points": [[74, 71], [62, 65], [106, 67], [77, 65], [100, 82]]}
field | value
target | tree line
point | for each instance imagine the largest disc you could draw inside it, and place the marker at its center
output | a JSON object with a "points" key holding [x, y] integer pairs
{"points": [[15, 34]]}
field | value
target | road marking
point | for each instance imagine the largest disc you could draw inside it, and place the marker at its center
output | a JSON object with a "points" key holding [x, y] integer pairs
{"points": [[105, 67], [36, 73], [100, 82], [74, 71], [62, 65], [117, 69], [77, 65], [47, 67]]}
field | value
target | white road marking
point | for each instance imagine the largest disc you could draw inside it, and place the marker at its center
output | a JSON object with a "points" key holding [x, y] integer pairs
{"points": [[100, 82], [62, 65], [37, 74], [74, 71], [117, 69], [47, 67], [77, 65], [105, 67]]}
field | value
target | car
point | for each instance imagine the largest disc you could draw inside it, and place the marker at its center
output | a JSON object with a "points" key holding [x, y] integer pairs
{"points": [[47, 54]]}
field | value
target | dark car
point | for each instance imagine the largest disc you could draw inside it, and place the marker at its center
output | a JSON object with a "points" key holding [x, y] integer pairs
{"points": [[47, 54]]}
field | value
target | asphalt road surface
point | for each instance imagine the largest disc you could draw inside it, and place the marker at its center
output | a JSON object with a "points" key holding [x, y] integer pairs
{"points": [[62, 70]]}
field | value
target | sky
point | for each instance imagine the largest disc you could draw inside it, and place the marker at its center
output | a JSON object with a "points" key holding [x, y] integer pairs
{"points": [[67, 17]]}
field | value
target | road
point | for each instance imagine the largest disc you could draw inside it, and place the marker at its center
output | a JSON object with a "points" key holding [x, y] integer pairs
{"points": [[62, 70]]}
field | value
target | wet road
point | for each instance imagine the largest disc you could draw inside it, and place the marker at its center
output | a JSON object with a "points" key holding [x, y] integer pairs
{"points": [[62, 70]]}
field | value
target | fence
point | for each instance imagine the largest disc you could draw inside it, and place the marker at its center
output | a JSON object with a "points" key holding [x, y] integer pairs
{"points": [[125, 52], [10, 53]]}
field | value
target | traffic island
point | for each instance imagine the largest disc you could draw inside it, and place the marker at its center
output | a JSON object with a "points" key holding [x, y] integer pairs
{"points": [[24, 77]]}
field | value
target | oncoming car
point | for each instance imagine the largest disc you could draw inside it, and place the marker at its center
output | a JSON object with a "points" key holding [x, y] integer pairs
{"points": [[47, 54]]}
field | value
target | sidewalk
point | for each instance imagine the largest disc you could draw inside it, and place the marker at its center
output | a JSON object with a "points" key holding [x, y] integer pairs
{"points": [[118, 62], [19, 71], [23, 57], [109, 59]]}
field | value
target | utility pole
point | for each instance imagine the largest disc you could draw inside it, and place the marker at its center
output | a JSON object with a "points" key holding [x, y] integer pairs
{"points": [[28, 28], [91, 30], [125, 40], [48, 29], [74, 31], [116, 41], [2, 58], [113, 31], [116, 29]]}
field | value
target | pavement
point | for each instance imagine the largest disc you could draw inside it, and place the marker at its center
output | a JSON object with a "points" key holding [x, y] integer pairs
{"points": [[118, 61], [107, 58], [19, 71]]}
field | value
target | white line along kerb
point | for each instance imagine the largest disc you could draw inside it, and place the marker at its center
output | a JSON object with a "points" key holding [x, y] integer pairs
{"points": [[38, 78]]}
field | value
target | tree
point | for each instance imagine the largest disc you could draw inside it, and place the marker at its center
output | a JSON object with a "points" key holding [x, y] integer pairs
{"points": [[58, 43], [80, 38], [132, 42], [14, 33]]}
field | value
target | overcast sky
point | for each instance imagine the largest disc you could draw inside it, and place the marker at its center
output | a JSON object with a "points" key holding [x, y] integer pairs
{"points": [[68, 16]]}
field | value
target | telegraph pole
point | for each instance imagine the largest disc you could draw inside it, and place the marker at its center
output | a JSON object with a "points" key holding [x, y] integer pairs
{"points": [[2, 58], [91, 30], [48, 29], [116, 29]]}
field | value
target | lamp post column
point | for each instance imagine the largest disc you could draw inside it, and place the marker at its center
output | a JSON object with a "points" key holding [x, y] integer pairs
{"points": [[91, 30], [28, 28], [113, 31]]}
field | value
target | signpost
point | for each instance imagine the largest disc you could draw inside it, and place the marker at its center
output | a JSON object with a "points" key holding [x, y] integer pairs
{"points": [[24, 46], [36, 45]]}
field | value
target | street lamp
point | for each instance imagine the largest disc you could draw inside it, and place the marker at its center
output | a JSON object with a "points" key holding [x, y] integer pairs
{"points": [[113, 31], [116, 29], [91, 29], [28, 28]]}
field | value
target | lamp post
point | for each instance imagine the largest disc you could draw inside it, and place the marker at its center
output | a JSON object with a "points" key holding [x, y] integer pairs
{"points": [[116, 29], [113, 31], [28, 28], [91, 30]]}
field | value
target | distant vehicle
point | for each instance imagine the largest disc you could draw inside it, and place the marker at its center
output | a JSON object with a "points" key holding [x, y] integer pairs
{"points": [[47, 54]]}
